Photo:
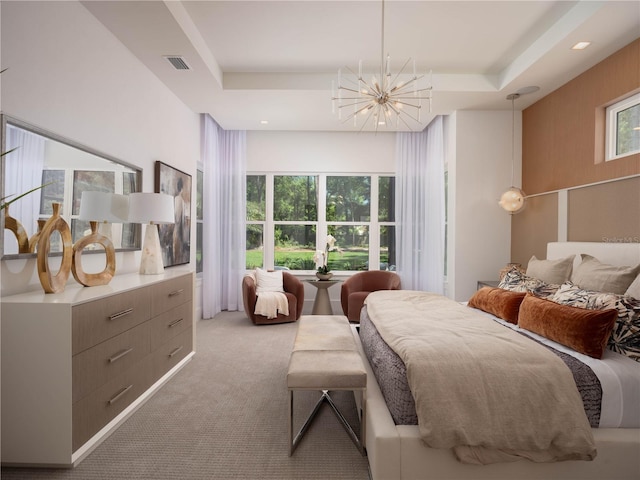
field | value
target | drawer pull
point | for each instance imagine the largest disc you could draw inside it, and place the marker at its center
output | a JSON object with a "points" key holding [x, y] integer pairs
{"points": [[175, 322], [176, 292], [119, 355], [120, 314], [175, 351], [120, 394]]}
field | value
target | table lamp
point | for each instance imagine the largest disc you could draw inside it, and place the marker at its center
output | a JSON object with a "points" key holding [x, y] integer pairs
{"points": [[151, 209], [99, 208]]}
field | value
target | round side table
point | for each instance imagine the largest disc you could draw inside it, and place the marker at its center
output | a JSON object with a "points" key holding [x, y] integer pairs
{"points": [[322, 304]]}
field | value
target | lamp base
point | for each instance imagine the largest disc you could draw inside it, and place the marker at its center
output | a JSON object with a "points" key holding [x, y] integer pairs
{"points": [[151, 261]]}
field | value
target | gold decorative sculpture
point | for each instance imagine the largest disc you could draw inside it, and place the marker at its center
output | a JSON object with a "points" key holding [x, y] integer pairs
{"points": [[93, 279], [33, 241], [18, 230], [54, 283]]}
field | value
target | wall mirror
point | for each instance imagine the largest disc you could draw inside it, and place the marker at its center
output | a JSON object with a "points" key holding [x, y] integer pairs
{"points": [[67, 169]]}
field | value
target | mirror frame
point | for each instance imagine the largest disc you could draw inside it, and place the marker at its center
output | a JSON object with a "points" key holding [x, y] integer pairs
{"points": [[7, 119]]}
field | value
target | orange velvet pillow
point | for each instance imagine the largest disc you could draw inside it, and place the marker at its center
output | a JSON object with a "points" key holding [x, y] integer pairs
{"points": [[586, 331], [502, 303]]}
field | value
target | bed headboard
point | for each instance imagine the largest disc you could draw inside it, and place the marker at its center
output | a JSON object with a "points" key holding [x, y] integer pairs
{"points": [[618, 254]]}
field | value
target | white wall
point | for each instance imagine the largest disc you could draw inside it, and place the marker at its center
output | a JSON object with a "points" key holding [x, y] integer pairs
{"points": [[69, 75], [314, 152], [479, 157]]}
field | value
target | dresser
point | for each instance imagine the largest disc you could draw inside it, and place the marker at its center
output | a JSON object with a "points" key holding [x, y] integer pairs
{"points": [[76, 364]]}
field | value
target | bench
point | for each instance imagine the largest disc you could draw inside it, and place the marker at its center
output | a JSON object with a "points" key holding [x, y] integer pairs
{"points": [[324, 358]]}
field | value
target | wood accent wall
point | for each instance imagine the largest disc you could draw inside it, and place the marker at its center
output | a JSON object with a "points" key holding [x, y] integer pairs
{"points": [[562, 134], [536, 225], [563, 156]]}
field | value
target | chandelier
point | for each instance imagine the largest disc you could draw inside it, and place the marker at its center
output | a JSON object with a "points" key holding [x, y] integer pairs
{"points": [[387, 100]]}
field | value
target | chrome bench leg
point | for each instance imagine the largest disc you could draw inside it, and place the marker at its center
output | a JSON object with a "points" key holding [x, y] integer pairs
{"points": [[293, 442]]}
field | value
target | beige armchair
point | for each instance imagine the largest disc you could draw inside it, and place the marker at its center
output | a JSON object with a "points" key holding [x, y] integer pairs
{"points": [[356, 288], [293, 289]]}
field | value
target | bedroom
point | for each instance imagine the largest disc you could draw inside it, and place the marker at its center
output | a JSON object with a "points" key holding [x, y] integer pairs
{"points": [[64, 92]]}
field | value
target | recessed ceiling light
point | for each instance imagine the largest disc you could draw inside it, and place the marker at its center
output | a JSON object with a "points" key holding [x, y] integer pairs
{"points": [[264, 122], [580, 45]]}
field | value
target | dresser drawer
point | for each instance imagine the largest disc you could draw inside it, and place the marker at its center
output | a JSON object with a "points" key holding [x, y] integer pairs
{"points": [[97, 365], [170, 294], [172, 352], [170, 324], [96, 321], [97, 409]]}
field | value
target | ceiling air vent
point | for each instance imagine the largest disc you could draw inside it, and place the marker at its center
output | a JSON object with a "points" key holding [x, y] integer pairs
{"points": [[178, 62]]}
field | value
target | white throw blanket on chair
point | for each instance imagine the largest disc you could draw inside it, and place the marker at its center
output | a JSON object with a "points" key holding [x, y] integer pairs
{"points": [[268, 304]]}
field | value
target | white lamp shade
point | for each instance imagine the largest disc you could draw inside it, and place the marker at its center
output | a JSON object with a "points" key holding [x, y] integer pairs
{"points": [[151, 208], [104, 207]]}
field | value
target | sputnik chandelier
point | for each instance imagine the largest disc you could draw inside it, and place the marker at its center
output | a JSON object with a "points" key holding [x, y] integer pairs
{"points": [[387, 100]]}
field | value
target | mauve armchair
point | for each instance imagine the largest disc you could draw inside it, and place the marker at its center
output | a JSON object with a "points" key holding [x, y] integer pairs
{"points": [[356, 288], [293, 289]]}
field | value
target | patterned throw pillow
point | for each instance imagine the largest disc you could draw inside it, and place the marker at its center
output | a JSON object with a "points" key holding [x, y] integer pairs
{"points": [[516, 281], [625, 338]]}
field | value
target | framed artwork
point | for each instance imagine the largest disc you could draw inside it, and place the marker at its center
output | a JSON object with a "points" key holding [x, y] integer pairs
{"points": [[175, 239]]}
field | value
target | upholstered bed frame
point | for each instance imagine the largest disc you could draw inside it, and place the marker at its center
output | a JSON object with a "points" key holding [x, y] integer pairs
{"points": [[396, 452]]}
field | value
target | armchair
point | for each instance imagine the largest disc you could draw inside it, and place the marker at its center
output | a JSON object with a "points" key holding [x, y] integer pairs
{"points": [[356, 288], [293, 289]]}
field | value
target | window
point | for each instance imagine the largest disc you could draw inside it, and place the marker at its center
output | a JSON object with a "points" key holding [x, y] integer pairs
{"points": [[289, 215], [256, 215], [66, 187], [295, 215], [623, 128]]}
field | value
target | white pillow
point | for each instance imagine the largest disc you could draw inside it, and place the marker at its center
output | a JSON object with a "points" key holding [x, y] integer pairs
{"points": [[551, 271], [268, 281]]}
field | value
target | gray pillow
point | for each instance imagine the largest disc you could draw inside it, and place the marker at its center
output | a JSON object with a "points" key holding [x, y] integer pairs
{"points": [[551, 271], [591, 274]]}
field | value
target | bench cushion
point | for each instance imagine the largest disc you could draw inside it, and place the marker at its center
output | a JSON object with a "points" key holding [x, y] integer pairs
{"points": [[325, 355]]}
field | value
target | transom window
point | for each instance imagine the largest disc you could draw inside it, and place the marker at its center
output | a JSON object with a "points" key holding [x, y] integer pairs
{"points": [[290, 216], [623, 128]]}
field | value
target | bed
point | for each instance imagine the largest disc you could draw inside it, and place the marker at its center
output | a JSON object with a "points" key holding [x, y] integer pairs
{"points": [[397, 451]]}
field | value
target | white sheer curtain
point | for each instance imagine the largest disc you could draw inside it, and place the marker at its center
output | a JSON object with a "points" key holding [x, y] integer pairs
{"points": [[224, 202], [23, 171], [420, 208]]}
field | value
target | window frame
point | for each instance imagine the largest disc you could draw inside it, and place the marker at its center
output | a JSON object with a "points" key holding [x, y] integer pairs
{"points": [[611, 126], [373, 225]]}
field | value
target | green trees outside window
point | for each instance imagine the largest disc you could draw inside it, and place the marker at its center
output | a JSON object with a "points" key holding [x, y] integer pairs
{"points": [[287, 214]]}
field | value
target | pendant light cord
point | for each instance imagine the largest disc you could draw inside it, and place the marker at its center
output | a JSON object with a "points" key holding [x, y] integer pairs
{"points": [[382, 48], [513, 97], [513, 135]]}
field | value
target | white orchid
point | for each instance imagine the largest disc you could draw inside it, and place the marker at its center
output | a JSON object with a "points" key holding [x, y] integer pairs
{"points": [[331, 241], [318, 258], [322, 257]]}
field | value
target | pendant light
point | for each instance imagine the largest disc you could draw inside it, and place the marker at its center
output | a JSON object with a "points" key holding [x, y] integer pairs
{"points": [[513, 200]]}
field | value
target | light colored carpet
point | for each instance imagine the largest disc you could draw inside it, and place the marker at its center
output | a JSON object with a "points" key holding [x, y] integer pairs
{"points": [[224, 416]]}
